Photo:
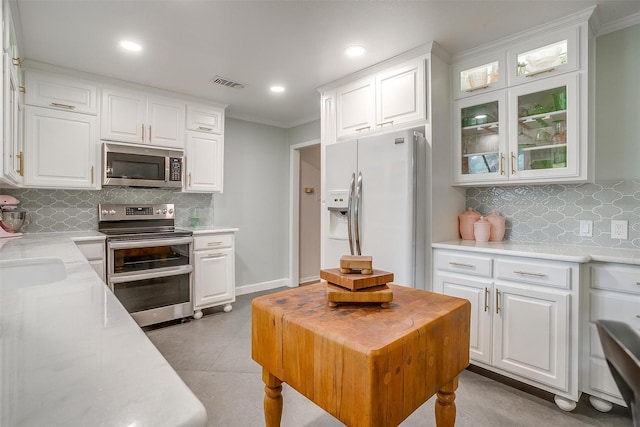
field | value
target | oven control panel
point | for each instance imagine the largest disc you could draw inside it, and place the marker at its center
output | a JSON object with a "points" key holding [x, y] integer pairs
{"points": [[120, 212]]}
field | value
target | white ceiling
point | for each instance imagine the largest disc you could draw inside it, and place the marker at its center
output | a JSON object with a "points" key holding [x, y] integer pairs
{"points": [[298, 44]]}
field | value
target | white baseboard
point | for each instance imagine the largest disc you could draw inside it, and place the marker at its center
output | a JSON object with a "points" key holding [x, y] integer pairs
{"points": [[262, 286], [309, 279]]}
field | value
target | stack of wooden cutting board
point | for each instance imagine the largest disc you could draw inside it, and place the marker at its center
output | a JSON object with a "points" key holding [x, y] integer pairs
{"points": [[356, 281]]}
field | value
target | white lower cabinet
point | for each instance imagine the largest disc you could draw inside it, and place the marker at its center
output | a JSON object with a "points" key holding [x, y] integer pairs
{"points": [[613, 294], [214, 271], [524, 316]]}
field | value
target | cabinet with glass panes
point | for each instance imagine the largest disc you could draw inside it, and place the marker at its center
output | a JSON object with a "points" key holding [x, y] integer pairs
{"points": [[480, 138], [536, 106], [544, 142]]}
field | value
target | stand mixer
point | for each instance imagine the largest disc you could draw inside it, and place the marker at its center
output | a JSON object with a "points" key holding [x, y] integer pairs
{"points": [[12, 217]]}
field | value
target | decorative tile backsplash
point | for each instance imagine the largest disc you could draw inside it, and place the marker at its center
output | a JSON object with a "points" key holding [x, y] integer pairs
{"points": [[77, 210], [551, 213]]}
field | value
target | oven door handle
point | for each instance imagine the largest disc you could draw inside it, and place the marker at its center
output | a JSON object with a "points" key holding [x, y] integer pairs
{"points": [[130, 277], [133, 244]]}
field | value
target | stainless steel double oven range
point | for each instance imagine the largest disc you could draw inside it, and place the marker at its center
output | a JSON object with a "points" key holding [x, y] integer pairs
{"points": [[149, 262]]}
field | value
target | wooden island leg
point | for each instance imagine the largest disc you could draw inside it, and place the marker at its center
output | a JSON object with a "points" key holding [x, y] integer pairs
{"points": [[445, 404], [272, 399]]}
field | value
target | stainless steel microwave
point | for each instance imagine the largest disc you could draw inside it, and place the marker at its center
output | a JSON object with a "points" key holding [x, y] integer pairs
{"points": [[141, 166]]}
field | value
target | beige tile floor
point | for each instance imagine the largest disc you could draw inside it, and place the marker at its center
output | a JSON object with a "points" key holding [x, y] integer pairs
{"points": [[213, 357]]}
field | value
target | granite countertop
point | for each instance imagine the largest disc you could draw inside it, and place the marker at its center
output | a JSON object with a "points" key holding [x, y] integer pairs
{"points": [[569, 253], [72, 355]]}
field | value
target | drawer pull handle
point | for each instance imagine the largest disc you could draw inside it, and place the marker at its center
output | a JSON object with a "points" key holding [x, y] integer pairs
{"points": [[205, 128], [68, 107], [486, 299], [461, 264], [214, 243], [390, 122], [527, 273], [537, 73], [218, 255], [476, 88], [497, 301], [363, 128]]}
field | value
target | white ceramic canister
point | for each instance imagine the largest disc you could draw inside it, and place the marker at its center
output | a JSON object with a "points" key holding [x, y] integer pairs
{"points": [[482, 230]]}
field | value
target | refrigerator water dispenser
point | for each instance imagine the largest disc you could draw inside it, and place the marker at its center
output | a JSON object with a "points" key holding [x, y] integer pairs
{"points": [[338, 205]]}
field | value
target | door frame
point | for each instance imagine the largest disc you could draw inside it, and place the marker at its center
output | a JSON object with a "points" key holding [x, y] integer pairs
{"points": [[294, 210]]}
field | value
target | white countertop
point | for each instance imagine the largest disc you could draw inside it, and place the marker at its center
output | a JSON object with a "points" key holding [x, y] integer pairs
{"points": [[210, 230], [570, 253], [71, 355]]}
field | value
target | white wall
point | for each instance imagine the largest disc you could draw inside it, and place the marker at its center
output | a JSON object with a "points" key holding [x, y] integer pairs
{"points": [[255, 200], [617, 105]]}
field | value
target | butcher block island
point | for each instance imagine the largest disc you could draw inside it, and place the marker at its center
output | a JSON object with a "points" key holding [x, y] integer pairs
{"points": [[364, 364]]}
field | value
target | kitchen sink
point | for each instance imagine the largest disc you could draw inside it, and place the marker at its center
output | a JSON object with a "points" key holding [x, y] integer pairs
{"points": [[21, 273]]}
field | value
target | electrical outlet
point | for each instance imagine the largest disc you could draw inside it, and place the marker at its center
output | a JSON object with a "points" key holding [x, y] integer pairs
{"points": [[619, 229], [586, 228]]}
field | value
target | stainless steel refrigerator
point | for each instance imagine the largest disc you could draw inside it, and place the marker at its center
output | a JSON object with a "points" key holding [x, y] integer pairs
{"points": [[375, 200]]}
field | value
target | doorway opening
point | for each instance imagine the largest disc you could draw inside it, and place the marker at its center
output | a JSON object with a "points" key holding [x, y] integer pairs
{"points": [[305, 202]]}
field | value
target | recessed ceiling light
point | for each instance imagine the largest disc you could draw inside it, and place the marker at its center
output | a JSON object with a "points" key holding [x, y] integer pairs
{"points": [[129, 45], [354, 51], [277, 89]]}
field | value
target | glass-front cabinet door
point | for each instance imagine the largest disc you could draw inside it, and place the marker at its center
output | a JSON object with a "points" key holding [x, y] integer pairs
{"points": [[554, 53], [480, 139], [478, 75], [543, 138]]}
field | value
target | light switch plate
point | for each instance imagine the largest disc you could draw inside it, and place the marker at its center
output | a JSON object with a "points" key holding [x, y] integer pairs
{"points": [[619, 229], [586, 228]]}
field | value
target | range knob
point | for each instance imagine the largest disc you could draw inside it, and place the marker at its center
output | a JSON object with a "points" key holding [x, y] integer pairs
{"points": [[164, 211], [104, 212], [112, 212], [157, 211], [170, 210]]}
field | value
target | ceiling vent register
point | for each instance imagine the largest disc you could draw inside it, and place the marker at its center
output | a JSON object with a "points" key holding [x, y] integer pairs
{"points": [[222, 81]]}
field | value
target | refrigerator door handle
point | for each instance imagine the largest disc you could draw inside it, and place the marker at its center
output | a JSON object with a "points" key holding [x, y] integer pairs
{"points": [[349, 211], [356, 215]]}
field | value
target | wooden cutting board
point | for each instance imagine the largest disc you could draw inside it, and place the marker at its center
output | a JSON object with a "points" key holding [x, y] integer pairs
{"points": [[377, 295], [355, 281]]}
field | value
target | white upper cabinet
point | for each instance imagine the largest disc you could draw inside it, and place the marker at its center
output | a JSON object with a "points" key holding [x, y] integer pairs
{"points": [[538, 57], [61, 92], [204, 157], [533, 125], [356, 107], [204, 118], [60, 149], [388, 98], [400, 94], [129, 116], [479, 74]]}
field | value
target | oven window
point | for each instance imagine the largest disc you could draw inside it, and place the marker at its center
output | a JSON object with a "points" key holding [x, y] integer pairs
{"points": [[149, 258], [134, 166], [147, 294]]}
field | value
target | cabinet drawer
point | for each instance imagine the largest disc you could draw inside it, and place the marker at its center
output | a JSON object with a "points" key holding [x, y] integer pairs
{"points": [[212, 241], [464, 263], [544, 273], [616, 277]]}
